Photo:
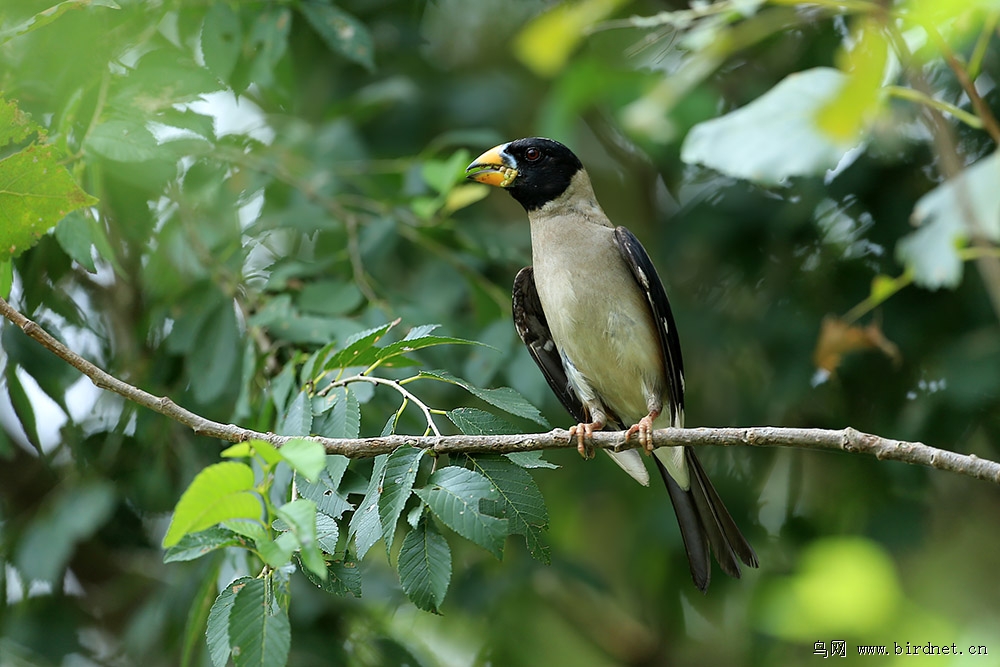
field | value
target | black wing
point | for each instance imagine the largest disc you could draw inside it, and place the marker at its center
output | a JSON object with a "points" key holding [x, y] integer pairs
{"points": [[645, 275], [533, 328]]}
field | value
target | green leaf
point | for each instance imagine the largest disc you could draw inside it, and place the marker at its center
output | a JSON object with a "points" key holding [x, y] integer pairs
{"points": [[324, 491], [196, 624], [355, 345], [214, 361], [267, 41], [259, 631], [241, 450], [74, 234], [299, 418], [443, 175], [343, 33], [122, 140], [504, 398], [400, 471], [73, 514], [454, 494], [15, 125], [49, 15], [342, 577], [330, 297], [425, 566], [931, 252], [6, 278], [217, 628], [344, 419], [218, 493], [196, 545], [36, 192], [299, 516], [530, 460], [473, 421], [366, 526], [774, 137], [23, 408], [327, 532], [306, 457], [277, 552], [520, 501], [221, 39]]}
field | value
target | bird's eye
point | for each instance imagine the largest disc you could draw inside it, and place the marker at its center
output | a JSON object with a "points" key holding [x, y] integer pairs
{"points": [[532, 154]]}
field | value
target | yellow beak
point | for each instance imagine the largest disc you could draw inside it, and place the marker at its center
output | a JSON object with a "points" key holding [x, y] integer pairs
{"points": [[492, 168]]}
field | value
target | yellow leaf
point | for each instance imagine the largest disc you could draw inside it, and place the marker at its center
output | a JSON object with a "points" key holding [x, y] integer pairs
{"points": [[547, 42], [847, 114]]}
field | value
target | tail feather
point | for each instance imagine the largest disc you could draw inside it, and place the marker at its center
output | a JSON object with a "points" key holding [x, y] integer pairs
{"points": [[706, 525]]}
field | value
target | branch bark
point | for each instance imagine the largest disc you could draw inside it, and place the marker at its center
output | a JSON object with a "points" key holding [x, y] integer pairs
{"points": [[847, 440]]}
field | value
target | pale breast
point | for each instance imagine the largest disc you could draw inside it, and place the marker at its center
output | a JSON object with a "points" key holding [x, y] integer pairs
{"points": [[598, 317]]}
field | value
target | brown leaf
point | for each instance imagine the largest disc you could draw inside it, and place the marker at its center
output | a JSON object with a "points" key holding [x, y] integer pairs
{"points": [[837, 338]]}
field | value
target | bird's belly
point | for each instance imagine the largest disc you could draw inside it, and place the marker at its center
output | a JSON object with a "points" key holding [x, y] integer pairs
{"points": [[616, 354]]}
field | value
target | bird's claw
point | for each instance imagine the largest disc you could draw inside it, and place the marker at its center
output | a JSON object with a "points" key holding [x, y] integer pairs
{"points": [[645, 430], [583, 432]]}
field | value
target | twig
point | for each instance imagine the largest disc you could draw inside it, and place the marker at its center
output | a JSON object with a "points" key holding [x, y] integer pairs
{"points": [[847, 440]]}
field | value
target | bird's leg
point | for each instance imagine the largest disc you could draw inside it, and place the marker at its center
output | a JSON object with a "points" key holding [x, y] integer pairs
{"points": [[645, 430], [583, 432]]}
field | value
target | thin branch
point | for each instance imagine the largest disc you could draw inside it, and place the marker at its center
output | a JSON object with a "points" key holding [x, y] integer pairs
{"points": [[847, 440]]}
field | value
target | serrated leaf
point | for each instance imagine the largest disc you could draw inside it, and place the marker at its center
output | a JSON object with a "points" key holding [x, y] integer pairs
{"points": [[425, 566], [299, 516], [327, 532], [342, 577], [355, 345], [455, 494], [324, 491], [122, 141], [776, 136], [530, 460], [196, 545], [344, 419], [221, 39], [298, 420], [36, 192], [520, 501], [259, 632], [15, 125], [217, 628], [473, 421], [343, 33], [366, 526], [306, 457], [218, 493], [400, 471], [504, 398]]}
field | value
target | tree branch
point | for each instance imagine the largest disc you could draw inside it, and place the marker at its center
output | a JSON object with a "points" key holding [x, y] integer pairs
{"points": [[847, 440]]}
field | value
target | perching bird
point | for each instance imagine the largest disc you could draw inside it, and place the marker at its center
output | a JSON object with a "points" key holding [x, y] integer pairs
{"points": [[596, 320]]}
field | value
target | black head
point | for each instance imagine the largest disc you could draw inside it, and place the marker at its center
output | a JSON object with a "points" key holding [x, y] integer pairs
{"points": [[534, 170]]}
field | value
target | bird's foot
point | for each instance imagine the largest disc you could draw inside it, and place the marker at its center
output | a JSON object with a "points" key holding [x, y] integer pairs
{"points": [[583, 432], [645, 430]]}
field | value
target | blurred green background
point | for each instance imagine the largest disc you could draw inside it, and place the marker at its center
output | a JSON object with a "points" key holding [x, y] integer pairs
{"points": [[276, 175]]}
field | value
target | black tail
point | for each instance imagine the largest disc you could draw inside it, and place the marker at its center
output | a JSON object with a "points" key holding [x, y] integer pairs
{"points": [[706, 523]]}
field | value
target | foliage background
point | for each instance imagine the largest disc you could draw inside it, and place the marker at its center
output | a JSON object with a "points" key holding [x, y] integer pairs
{"points": [[323, 200]]}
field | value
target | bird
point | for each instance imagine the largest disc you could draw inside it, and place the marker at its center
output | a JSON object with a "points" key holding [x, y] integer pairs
{"points": [[595, 318]]}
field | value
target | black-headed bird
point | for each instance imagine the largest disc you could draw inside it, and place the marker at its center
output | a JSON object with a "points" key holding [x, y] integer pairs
{"points": [[595, 318]]}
